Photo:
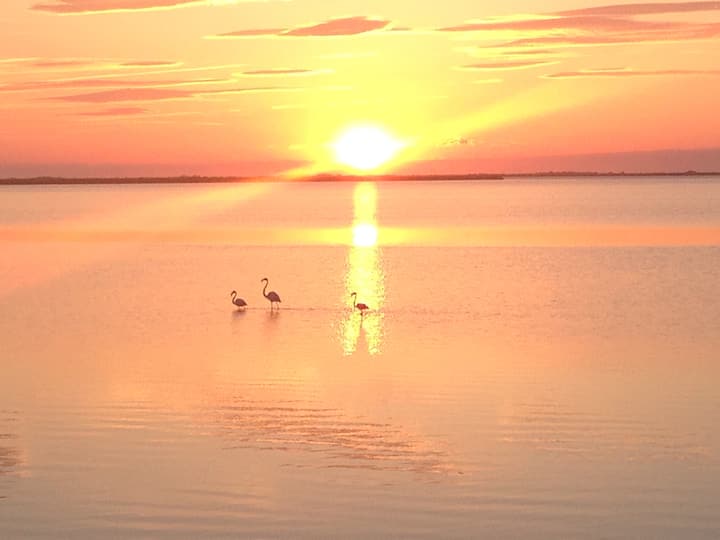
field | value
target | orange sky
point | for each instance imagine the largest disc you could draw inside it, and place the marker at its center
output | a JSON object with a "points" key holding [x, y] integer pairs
{"points": [[165, 87]]}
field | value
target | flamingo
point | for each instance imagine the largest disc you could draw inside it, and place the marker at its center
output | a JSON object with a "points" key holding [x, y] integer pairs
{"points": [[239, 302], [272, 295], [359, 305]]}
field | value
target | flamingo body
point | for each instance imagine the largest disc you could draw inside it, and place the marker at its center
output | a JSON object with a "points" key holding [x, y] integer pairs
{"points": [[272, 296], [359, 305], [236, 300]]}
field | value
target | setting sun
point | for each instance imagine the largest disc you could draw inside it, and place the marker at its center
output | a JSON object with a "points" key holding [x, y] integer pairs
{"points": [[365, 147]]}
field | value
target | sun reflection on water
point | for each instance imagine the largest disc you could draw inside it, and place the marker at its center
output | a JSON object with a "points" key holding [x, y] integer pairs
{"points": [[364, 275]]}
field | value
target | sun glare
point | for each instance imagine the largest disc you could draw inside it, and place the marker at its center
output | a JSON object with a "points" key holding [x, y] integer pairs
{"points": [[365, 147], [365, 235]]}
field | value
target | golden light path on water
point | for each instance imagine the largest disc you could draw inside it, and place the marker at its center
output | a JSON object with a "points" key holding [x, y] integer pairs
{"points": [[364, 275]]}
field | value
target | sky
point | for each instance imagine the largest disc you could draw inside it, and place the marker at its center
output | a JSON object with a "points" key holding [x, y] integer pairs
{"points": [[235, 87]]}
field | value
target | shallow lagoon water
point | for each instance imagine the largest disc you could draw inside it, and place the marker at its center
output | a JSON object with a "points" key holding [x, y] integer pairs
{"points": [[540, 360]]}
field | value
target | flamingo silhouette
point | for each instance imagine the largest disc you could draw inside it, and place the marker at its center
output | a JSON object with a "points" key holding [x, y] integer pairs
{"points": [[239, 302], [359, 305], [272, 295]]}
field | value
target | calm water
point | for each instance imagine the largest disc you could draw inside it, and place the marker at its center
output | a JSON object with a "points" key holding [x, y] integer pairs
{"points": [[540, 360]]}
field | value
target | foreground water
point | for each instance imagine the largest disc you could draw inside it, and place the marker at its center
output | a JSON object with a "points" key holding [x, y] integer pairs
{"points": [[540, 360]]}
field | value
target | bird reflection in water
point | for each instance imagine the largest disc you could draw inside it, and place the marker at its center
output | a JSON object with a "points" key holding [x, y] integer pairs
{"points": [[365, 276], [12, 456]]}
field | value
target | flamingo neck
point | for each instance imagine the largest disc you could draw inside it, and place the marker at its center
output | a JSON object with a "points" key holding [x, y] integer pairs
{"points": [[265, 288]]}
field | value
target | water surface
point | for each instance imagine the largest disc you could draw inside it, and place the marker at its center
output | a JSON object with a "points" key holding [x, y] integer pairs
{"points": [[540, 360]]}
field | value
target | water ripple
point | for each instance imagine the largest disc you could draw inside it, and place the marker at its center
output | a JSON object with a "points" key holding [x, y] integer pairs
{"points": [[11, 456], [341, 440], [548, 428]]}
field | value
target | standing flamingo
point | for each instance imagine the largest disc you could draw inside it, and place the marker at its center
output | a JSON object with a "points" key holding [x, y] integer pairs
{"points": [[239, 302], [272, 295], [359, 305]]}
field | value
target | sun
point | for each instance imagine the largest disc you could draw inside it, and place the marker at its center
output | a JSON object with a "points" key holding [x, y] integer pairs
{"points": [[365, 147]]}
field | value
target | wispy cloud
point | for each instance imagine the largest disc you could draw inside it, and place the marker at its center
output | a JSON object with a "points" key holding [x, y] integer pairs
{"points": [[96, 6], [63, 63], [84, 64], [499, 66], [101, 83], [150, 63], [252, 32], [603, 25], [116, 111], [679, 33], [109, 6], [645, 9], [19, 60], [127, 94], [346, 26], [340, 27], [580, 23], [284, 72], [161, 94], [624, 72]]}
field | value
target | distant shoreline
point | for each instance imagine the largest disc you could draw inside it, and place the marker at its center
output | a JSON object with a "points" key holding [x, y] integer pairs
{"points": [[57, 180], [53, 180]]}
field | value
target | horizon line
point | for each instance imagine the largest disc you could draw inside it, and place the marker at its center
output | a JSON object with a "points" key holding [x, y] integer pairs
{"points": [[329, 177]]}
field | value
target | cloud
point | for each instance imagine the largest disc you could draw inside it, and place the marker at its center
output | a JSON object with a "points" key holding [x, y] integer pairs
{"points": [[85, 64], [340, 27], [100, 83], [117, 111], [254, 32], [623, 72], [529, 52], [347, 26], [281, 72], [645, 9], [20, 60], [127, 94], [150, 63], [557, 23], [110, 6], [160, 94], [604, 25], [493, 66], [97, 6], [681, 32], [62, 63]]}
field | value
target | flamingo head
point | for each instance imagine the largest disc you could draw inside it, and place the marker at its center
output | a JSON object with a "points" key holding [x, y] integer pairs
{"points": [[234, 292], [353, 294], [263, 279]]}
